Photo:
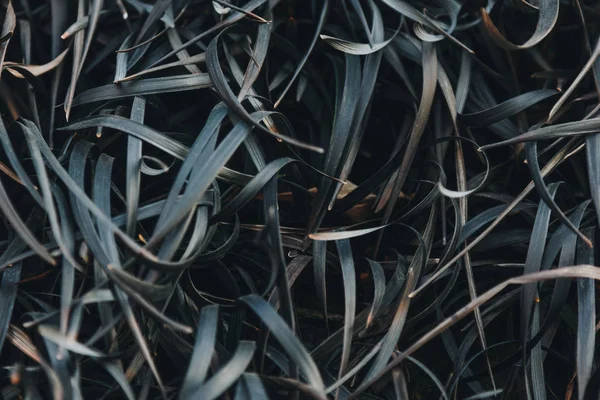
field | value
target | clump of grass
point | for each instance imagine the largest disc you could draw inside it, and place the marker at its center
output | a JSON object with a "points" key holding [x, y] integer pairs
{"points": [[308, 199]]}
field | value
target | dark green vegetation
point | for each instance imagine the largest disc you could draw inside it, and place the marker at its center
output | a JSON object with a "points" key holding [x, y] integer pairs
{"points": [[252, 199]]}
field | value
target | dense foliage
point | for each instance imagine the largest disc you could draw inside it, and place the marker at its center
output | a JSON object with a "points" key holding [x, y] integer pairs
{"points": [[339, 199]]}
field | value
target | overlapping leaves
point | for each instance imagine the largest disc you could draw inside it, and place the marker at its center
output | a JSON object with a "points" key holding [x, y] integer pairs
{"points": [[321, 199]]}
